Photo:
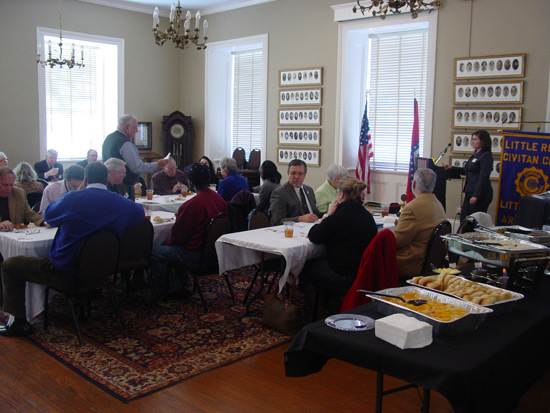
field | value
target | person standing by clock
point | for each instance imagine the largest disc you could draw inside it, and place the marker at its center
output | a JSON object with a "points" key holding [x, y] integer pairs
{"points": [[119, 144]]}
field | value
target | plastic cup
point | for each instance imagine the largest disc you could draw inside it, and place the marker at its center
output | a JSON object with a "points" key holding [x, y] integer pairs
{"points": [[385, 210], [148, 216], [289, 229], [184, 193], [149, 194]]}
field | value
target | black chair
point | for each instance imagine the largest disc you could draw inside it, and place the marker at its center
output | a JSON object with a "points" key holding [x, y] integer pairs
{"points": [[42, 181], [96, 261], [240, 206], [136, 245], [34, 198], [36, 207], [239, 154], [208, 263], [437, 248]]}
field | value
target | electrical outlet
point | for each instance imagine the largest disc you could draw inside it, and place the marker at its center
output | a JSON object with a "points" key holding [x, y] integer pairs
{"points": [[458, 211]]}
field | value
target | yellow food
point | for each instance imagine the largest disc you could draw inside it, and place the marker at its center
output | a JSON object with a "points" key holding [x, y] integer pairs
{"points": [[433, 308], [158, 219], [447, 270]]}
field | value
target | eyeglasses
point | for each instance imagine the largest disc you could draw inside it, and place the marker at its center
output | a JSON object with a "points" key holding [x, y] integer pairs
{"points": [[4, 160]]}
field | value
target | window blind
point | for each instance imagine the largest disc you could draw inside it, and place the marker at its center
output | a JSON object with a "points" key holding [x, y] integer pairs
{"points": [[246, 108], [397, 68]]}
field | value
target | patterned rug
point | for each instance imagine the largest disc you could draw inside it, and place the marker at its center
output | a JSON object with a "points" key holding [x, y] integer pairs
{"points": [[162, 344]]}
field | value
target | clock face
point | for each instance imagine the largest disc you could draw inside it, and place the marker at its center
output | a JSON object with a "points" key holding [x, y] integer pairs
{"points": [[177, 131]]}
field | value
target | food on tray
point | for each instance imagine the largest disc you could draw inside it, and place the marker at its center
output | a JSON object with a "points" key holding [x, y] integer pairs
{"points": [[19, 226], [465, 289], [158, 219], [447, 270], [434, 309]]}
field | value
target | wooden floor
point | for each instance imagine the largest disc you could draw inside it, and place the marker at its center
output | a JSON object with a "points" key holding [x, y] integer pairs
{"points": [[32, 381]]}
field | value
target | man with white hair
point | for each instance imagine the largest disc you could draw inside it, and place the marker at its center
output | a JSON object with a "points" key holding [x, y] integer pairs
{"points": [[119, 144], [117, 172], [326, 193], [416, 224], [49, 169]]}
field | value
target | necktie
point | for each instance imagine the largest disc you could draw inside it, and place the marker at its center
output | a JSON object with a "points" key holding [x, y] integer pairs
{"points": [[304, 202]]}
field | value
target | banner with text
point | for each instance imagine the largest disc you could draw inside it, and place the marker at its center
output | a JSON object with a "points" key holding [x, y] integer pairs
{"points": [[524, 171]]}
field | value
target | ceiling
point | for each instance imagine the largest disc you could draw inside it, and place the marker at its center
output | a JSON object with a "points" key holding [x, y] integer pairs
{"points": [[205, 6]]}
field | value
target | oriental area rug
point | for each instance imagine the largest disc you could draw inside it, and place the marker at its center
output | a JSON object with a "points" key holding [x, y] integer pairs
{"points": [[161, 342]]}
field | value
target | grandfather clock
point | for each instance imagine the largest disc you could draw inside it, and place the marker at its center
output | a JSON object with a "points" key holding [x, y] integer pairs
{"points": [[177, 135]]}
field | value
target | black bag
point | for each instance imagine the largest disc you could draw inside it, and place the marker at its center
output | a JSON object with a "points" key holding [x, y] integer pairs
{"points": [[280, 313]]}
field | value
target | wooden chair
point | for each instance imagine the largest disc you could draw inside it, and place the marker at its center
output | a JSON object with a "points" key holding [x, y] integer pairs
{"points": [[436, 251], [239, 154], [252, 171], [96, 261], [208, 263]]}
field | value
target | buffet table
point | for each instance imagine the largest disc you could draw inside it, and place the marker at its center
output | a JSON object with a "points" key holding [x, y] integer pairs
{"points": [[533, 211], [486, 370]]}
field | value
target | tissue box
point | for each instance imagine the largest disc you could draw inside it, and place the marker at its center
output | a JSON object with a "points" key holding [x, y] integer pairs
{"points": [[403, 331]]}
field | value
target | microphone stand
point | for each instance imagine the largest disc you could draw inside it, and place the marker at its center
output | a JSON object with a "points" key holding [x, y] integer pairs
{"points": [[443, 152]]}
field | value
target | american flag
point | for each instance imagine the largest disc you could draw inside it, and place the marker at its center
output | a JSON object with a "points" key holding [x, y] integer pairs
{"points": [[362, 170], [414, 152]]}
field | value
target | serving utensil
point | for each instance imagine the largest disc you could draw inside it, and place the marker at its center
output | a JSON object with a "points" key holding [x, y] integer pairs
{"points": [[412, 302]]}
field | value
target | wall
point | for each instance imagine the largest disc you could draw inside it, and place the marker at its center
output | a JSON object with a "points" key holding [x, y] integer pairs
{"points": [[152, 80]]}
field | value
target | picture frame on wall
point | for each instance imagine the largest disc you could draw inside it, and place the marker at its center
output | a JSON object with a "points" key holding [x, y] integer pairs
{"points": [[487, 118], [505, 91], [496, 66], [300, 137], [300, 116], [301, 97], [301, 77], [312, 157], [144, 139], [462, 143], [460, 161]]}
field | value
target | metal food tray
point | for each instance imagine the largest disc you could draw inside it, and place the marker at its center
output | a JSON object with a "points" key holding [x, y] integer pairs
{"points": [[467, 323], [501, 307], [475, 245], [516, 231]]}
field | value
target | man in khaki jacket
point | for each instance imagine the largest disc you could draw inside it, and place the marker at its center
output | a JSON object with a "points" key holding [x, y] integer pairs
{"points": [[416, 224]]}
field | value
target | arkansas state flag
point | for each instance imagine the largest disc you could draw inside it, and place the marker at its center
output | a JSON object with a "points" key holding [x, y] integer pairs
{"points": [[414, 152], [362, 170]]}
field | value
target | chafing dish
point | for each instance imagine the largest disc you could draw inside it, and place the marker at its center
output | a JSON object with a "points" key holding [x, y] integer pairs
{"points": [[516, 231], [469, 322], [493, 248]]}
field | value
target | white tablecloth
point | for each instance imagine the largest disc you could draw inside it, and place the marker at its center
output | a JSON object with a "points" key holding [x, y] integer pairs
{"points": [[240, 249], [168, 203], [13, 244]]}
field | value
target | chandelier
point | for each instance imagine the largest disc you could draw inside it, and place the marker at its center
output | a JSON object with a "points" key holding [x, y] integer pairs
{"points": [[59, 61], [381, 7], [180, 38]]}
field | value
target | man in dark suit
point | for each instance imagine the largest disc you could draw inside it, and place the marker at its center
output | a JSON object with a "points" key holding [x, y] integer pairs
{"points": [[294, 201], [49, 169], [91, 156]]}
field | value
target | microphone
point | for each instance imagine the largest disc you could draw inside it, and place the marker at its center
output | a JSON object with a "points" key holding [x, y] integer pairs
{"points": [[443, 152]]}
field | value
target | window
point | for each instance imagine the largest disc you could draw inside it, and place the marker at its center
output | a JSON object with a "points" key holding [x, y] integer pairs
{"points": [[236, 96], [79, 106], [394, 60]]}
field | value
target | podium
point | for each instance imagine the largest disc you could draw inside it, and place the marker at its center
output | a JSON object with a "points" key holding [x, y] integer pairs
{"points": [[440, 190]]}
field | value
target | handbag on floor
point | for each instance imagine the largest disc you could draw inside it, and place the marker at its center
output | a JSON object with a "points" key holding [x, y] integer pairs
{"points": [[281, 310]]}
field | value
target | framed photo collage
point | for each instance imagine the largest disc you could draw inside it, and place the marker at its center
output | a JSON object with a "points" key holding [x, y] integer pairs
{"points": [[300, 115], [484, 87]]}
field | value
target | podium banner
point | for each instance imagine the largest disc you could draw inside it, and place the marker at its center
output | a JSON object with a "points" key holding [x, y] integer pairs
{"points": [[524, 171]]}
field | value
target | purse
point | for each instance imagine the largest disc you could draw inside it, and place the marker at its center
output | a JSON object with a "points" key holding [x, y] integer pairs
{"points": [[280, 312]]}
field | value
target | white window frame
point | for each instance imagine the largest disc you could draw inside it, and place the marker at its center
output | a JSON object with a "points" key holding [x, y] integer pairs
{"points": [[44, 31], [218, 92]]}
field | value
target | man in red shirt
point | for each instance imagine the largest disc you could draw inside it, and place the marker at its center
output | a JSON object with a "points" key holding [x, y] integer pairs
{"points": [[188, 231]]}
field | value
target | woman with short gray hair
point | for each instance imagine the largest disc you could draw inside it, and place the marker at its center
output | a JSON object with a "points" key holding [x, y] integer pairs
{"points": [[231, 182]]}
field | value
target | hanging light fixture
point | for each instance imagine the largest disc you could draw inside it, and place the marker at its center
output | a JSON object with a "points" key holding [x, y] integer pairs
{"points": [[181, 38], [381, 7], [59, 61]]}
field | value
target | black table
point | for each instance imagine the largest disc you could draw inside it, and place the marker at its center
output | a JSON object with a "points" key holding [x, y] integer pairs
{"points": [[487, 370], [533, 211]]}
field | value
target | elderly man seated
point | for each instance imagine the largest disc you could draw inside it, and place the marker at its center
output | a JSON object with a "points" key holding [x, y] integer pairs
{"points": [[326, 193], [416, 224], [49, 169], [117, 172], [3, 159], [91, 156], [74, 176], [14, 209], [231, 182], [169, 181], [78, 214]]}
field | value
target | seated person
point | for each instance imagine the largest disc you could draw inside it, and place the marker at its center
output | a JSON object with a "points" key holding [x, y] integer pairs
{"points": [[416, 224], [271, 180], [74, 177], [14, 208], [326, 193], [49, 169], [25, 178], [213, 176], [3, 159], [77, 215], [188, 232], [346, 229], [117, 172], [294, 201], [91, 156], [231, 182], [169, 181]]}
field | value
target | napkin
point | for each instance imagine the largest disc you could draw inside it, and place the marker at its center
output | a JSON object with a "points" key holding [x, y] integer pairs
{"points": [[403, 331]]}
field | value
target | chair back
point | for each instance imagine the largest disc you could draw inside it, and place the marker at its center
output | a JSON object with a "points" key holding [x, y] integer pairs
{"points": [[34, 198], [239, 208], [97, 259], [254, 159], [437, 248], [239, 155], [218, 226], [258, 219], [42, 181], [136, 244]]}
